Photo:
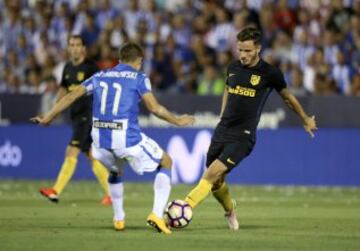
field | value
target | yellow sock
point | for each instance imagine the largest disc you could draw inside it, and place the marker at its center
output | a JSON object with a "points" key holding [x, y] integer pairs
{"points": [[199, 193], [101, 174], [65, 174], [222, 195]]}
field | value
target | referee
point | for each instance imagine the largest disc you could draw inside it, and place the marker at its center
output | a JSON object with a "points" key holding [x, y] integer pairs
{"points": [[249, 82], [78, 69]]}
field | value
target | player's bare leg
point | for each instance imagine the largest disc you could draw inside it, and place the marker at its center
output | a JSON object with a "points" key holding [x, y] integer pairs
{"points": [[215, 171], [66, 172], [162, 188], [221, 192]]}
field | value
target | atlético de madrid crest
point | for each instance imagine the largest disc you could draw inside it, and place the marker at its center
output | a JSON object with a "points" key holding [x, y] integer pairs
{"points": [[255, 79], [80, 76]]}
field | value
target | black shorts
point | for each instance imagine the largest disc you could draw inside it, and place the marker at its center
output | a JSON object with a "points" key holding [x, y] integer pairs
{"points": [[231, 153], [81, 137]]}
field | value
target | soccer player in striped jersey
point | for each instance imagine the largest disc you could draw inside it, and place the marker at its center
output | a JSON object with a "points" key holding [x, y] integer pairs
{"points": [[116, 133]]}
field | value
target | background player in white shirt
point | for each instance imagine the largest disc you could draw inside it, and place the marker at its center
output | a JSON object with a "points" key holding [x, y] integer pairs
{"points": [[116, 133]]}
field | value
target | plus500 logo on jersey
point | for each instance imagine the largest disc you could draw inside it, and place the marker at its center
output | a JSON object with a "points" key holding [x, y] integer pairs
{"points": [[10, 155]]}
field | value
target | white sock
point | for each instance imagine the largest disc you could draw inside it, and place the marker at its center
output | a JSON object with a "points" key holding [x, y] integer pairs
{"points": [[162, 187], [117, 197]]}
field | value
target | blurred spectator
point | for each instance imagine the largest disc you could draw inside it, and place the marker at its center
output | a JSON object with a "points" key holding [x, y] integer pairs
{"points": [[301, 49], [324, 85], [182, 38], [342, 74], [90, 33], [50, 88], [204, 55], [339, 16], [296, 86], [180, 30], [285, 18], [107, 57], [219, 38], [105, 13], [331, 47], [282, 47], [81, 12], [163, 75], [118, 34], [355, 86], [210, 83], [132, 16]]}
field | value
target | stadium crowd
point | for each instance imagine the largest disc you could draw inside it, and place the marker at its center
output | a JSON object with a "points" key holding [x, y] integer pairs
{"points": [[188, 44]]}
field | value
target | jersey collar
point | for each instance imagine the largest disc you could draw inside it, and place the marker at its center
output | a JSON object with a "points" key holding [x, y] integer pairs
{"points": [[122, 67]]}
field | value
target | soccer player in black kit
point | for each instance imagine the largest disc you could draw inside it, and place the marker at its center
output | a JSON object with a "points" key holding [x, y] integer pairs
{"points": [[78, 69], [249, 82]]}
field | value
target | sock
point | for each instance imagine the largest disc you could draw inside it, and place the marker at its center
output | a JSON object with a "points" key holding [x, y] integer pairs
{"points": [[101, 174], [199, 193], [117, 196], [222, 195], [65, 174], [162, 188]]}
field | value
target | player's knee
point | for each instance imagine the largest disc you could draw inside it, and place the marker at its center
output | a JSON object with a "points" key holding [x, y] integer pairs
{"points": [[72, 151], [166, 161], [215, 172]]}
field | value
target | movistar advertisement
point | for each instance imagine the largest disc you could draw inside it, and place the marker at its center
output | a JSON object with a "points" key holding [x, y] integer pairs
{"points": [[283, 156]]}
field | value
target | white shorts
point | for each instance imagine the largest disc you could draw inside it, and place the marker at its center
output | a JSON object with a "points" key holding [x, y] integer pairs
{"points": [[143, 157]]}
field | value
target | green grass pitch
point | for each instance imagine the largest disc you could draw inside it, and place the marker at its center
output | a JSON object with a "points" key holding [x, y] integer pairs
{"points": [[271, 218]]}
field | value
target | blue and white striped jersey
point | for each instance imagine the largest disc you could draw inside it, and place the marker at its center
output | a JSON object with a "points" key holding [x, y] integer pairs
{"points": [[116, 94]]}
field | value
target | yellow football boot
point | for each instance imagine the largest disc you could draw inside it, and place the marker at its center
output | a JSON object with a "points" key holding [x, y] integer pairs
{"points": [[158, 224]]}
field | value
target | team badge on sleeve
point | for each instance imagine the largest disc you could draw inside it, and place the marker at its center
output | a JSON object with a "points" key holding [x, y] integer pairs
{"points": [[255, 79], [80, 76], [148, 84]]}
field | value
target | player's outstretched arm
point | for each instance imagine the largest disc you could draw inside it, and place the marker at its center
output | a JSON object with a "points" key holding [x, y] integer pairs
{"points": [[160, 111], [60, 106], [61, 93], [308, 121]]}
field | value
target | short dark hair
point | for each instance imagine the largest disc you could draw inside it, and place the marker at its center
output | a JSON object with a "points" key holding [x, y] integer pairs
{"points": [[76, 36], [249, 33], [129, 52]]}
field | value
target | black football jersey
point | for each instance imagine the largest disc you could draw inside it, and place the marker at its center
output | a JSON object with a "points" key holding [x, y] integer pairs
{"points": [[248, 88], [74, 75]]}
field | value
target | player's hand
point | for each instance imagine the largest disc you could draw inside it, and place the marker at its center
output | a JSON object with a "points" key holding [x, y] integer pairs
{"points": [[41, 120], [185, 120], [310, 125]]}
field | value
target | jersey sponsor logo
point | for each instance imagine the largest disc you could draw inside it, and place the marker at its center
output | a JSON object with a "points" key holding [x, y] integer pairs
{"points": [[247, 132], [228, 160], [10, 155], [255, 79], [80, 76], [242, 91], [108, 125], [231, 74]]}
